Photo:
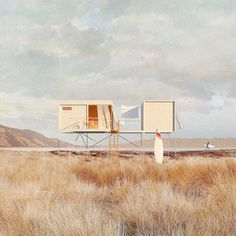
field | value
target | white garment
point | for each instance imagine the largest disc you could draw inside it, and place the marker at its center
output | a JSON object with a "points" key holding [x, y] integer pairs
{"points": [[107, 116], [100, 117], [104, 117]]}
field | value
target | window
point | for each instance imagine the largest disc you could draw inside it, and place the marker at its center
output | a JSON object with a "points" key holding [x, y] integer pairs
{"points": [[66, 108], [92, 117]]}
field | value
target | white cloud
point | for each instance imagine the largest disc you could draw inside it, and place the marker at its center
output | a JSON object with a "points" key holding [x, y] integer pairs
{"points": [[53, 50]]}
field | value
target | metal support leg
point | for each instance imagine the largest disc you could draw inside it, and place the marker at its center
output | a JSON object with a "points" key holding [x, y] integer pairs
{"points": [[142, 144], [128, 140], [77, 138], [101, 140], [87, 136], [87, 145], [84, 142], [117, 145]]}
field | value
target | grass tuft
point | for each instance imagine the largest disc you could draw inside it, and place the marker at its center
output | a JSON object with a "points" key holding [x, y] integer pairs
{"points": [[45, 195]]}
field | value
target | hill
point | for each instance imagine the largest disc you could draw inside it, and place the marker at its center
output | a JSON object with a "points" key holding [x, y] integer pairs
{"points": [[12, 137]]}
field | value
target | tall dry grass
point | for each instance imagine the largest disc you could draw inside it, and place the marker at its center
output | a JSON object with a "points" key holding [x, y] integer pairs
{"points": [[48, 195]]}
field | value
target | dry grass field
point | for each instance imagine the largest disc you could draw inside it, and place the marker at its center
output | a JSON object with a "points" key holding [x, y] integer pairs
{"points": [[46, 194]]}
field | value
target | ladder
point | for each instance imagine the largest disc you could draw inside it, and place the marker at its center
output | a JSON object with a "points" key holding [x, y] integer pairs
{"points": [[114, 142]]}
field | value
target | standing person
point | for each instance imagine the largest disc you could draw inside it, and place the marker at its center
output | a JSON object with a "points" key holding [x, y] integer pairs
{"points": [[208, 146]]}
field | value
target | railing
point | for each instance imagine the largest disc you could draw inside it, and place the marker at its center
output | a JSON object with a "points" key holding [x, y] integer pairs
{"points": [[96, 123], [92, 123]]}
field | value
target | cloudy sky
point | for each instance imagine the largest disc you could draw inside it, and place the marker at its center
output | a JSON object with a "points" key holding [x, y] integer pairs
{"points": [[52, 50]]}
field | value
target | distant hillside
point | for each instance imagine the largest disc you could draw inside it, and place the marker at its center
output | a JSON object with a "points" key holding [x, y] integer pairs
{"points": [[12, 137]]}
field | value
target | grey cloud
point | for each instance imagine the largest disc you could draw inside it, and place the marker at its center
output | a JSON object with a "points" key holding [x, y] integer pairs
{"points": [[207, 52], [30, 72], [44, 12], [28, 112], [60, 11], [183, 6], [50, 57], [114, 8], [184, 50], [232, 91]]}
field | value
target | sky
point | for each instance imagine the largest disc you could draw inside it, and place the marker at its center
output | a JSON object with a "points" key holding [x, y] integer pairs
{"points": [[53, 50]]}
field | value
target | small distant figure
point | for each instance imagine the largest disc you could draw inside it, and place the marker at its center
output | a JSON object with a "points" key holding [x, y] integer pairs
{"points": [[208, 146]]}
